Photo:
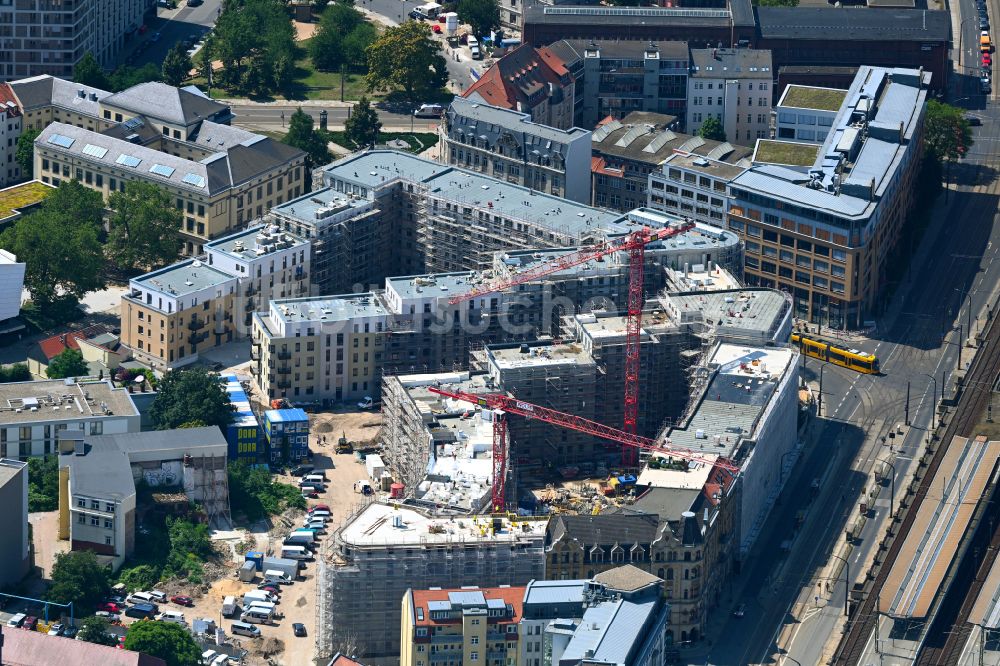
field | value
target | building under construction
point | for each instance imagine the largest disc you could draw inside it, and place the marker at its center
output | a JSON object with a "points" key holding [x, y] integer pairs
{"points": [[382, 550]]}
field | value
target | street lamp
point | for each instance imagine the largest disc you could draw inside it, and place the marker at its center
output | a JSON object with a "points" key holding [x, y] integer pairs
{"points": [[892, 488], [933, 400], [847, 579], [968, 314]]}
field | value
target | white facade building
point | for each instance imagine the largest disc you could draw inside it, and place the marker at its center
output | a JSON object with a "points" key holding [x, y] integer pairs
{"points": [[12, 279], [806, 113], [734, 86]]}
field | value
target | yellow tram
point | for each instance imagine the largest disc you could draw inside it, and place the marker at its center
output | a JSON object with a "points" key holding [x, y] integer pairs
{"points": [[848, 358]]}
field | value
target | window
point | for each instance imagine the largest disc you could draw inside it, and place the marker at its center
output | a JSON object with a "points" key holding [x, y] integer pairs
{"points": [[474, 656], [474, 640], [82, 503], [109, 524]]}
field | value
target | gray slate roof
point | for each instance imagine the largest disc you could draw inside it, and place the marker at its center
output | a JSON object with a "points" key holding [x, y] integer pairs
{"points": [[603, 529], [103, 471], [164, 102], [480, 119], [853, 24], [45, 90], [635, 49]]}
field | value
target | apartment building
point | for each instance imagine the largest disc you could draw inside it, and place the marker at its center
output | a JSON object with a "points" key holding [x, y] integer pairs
{"points": [[806, 113], [10, 132], [12, 275], [50, 38], [221, 177], [695, 185], [383, 550], [627, 153], [617, 616], [529, 80], [97, 478], [466, 625], [826, 236], [354, 243], [33, 414], [15, 548], [507, 145], [733, 86], [616, 77], [171, 315], [287, 435]]}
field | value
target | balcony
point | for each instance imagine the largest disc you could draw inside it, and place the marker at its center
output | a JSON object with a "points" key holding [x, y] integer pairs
{"points": [[283, 370], [250, 305], [284, 355], [254, 354], [302, 275], [196, 324], [253, 369], [196, 338], [284, 384]]}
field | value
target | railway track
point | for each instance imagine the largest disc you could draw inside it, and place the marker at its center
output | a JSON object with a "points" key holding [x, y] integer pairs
{"points": [[971, 405]]}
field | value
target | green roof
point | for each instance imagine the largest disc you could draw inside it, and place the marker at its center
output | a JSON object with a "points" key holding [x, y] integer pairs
{"points": [[21, 196], [786, 152], [807, 97]]}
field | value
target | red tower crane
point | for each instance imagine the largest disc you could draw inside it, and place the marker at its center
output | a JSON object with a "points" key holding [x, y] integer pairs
{"points": [[501, 404], [635, 244]]}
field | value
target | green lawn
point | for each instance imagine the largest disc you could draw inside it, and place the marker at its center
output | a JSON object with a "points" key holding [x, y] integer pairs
{"points": [[809, 97], [786, 152]]}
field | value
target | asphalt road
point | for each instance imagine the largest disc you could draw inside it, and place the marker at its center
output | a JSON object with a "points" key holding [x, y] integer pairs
{"points": [[172, 26]]}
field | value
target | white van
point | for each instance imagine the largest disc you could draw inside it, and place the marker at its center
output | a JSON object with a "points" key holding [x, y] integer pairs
{"points": [[258, 616], [319, 513], [17, 620], [276, 576], [159, 597], [208, 656], [477, 54], [295, 553], [141, 598], [314, 478], [222, 659], [258, 595], [265, 606], [172, 616], [244, 629]]}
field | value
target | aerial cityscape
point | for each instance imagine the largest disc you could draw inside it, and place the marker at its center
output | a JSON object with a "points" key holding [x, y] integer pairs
{"points": [[499, 333]]}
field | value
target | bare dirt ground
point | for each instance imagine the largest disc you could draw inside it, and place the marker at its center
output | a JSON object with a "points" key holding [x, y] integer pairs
{"points": [[304, 31], [44, 537]]}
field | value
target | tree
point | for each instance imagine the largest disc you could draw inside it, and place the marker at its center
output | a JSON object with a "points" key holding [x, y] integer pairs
{"points": [[76, 204], [177, 65], [712, 129], [141, 577], [253, 492], [89, 72], [190, 394], [406, 57], [326, 48], [25, 152], [77, 576], [126, 77], [483, 16], [67, 363], [356, 43], [18, 372], [947, 135], [302, 136], [43, 483], [96, 629], [144, 227], [166, 640], [255, 41], [59, 258], [363, 126]]}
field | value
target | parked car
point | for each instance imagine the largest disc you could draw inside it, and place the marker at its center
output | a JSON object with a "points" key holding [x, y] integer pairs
{"points": [[987, 60], [273, 589], [56, 629], [310, 494], [182, 600], [417, 15], [299, 629], [302, 470], [30, 623], [984, 86], [194, 3], [740, 610], [111, 607], [973, 121], [319, 507], [436, 28], [69, 631], [160, 597], [366, 403], [16, 620], [109, 616], [429, 111]]}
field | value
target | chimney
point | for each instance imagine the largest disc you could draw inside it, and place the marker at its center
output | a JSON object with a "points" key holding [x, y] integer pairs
{"points": [[690, 533], [79, 448]]}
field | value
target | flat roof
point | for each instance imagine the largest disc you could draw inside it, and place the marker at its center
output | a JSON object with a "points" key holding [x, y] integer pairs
{"points": [[735, 399], [375, 526], [432, 285], [460, 468], [739, 63], [717, 279], [373, 168], [755, 310], [737, 12], [508, 357], [609, 632], [598, 326], [288, 415], [62, 400], [466, 114], [693, 476], [255, 242], [102, 471], [812, 97], [853, 24], [183, 278], [918, 573], [310, 208], [417, 388], [716, 168], [328, 308], [243, 416], [555, 592], [986, 610], [9, 469], [23, 195], [175, 441], [787, 153]]}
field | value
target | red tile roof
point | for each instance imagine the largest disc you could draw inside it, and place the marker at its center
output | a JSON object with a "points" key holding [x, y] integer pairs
{"points": [[7, 95], [33, 648], [343, 660], [719, 481], [514, 596], [600, 165], [57, 344], [518, 75]]}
